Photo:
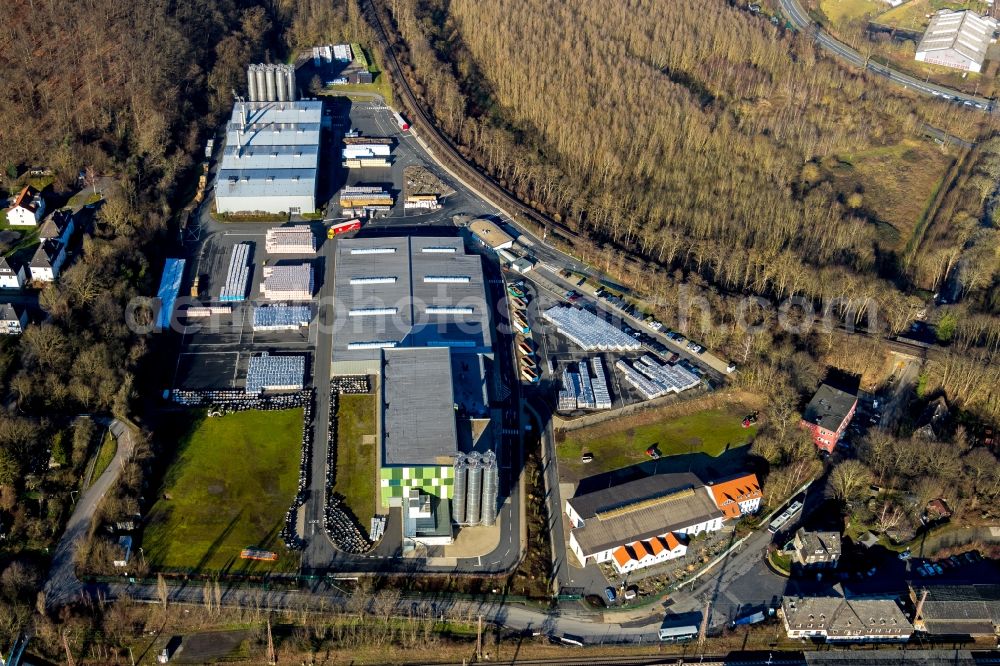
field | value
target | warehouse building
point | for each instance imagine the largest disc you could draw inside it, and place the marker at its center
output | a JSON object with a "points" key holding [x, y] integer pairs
{"points": [[648, 521], [287, 283], [271, 158], [957, 610], [957, 39]]}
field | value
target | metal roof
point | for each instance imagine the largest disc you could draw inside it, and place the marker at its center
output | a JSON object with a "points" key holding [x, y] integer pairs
{"points": [[388, 275], [419, 425], [266, 182], [271, 157], [965, 32]]}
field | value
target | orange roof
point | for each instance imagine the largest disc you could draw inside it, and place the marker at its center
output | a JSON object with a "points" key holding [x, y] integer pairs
{"points": [[640, 550], [728, 494], [655, 546], [25, 198], [670, 540], [622, 556]]}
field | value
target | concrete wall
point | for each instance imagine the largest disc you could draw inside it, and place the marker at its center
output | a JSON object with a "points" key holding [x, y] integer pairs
{"points": [[228, 204]]}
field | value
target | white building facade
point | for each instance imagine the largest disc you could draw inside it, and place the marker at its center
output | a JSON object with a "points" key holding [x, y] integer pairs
{"points": [[957, 39]]}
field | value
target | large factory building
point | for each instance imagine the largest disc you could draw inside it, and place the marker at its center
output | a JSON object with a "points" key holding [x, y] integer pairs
{"points": [[414, 312], [271, 158]]}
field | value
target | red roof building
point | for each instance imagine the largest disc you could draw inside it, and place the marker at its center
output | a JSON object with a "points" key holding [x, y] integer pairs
{"points": [[828, 414]]}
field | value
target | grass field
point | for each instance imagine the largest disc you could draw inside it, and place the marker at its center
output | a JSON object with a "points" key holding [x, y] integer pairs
{"points": [[229, 487], [355, 478], [841, 11], [711, 431], [899, 182], [109, 445]]}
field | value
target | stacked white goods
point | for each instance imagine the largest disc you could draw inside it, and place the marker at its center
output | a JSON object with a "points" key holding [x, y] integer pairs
{"points": [[671, 377], [281, 317], [290, 240], [426, 202], [355, 150], [602, 397], [287, 283], [343, 53], [586, 398], [235, 286], [588, 331], [275, 373], [199, 312], [567, 396], [361, 197], [648, 388]]}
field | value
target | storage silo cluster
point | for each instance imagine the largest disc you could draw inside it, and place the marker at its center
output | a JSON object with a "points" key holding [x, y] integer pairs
{"points": [[271, 83], [476, 486]]}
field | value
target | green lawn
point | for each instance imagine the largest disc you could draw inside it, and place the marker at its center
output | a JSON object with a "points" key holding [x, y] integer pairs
{"points": [[355, 477], [616, 445], [229, 487], [841, 11], [109, 445]]}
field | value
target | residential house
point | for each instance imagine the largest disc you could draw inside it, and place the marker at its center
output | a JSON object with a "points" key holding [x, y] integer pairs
{"points": [[951, 610], [10, 277], [816, 550], [828, 414], [648, 521], [842, 618], [58, 226], [48, 261], [933, 422], [12, 319], [28, 208]]}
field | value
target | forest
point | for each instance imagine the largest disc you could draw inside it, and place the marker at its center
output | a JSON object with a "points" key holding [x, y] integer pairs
{"points": [[687, 149]]}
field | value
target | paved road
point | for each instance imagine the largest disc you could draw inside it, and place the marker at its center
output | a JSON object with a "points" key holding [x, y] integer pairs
{"points": [[62, 585], [801, 20]]}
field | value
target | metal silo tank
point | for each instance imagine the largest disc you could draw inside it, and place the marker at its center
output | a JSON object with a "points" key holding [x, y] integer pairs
{"points": [[261, 84], [280, 84], [272, 93], [458, 501], [491, 479], [290, 74], [252, 83], [474, 490]]}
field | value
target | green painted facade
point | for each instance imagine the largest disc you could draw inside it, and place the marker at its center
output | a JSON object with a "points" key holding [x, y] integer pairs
{"points": [[438, 480]]}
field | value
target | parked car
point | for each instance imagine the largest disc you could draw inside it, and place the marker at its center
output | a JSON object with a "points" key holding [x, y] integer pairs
{"points": [[905, 555], [937, 568], [587, 457], [609, 592]]}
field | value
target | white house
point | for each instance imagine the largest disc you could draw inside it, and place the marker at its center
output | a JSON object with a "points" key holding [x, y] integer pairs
{"points": [[842, 618], [12, 319], [48, 261], [10, 277], [28, 208]]}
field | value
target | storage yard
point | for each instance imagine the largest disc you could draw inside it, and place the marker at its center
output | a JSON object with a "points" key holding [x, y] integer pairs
{"points": [[588, 331], [581, 391], [238, 277], [281, 317]]}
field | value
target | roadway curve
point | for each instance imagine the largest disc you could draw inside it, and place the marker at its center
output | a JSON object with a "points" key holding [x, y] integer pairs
{"points": [[62, 586], [800, 19]]}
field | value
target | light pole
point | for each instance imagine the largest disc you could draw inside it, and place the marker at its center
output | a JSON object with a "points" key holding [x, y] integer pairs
{"points": [[143, 556], [71, 493]]}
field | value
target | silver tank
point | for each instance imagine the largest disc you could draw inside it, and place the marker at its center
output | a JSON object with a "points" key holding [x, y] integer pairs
{"points": [[491, 481], [261, 84], [252, 83], [474, 490], [290, 69], [458, 498], [272, 93]]}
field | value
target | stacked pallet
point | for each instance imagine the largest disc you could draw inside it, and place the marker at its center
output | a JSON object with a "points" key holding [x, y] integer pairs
{"points": [[235, 286], [290, 240], [287, 283], [365, 197]]}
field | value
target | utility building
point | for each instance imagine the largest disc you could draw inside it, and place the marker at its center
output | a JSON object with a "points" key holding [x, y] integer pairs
{"points": [[271, 158], [957, 39]]}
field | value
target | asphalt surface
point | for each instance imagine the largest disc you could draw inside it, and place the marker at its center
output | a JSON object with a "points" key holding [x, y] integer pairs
{"points": [[62, 585], [801, 20]]}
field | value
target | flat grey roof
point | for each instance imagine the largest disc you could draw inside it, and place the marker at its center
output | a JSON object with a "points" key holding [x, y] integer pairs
{"points": [[412, 282], [265, 182], [965, 32], [829, 407], [418, 409], [271, 157]]}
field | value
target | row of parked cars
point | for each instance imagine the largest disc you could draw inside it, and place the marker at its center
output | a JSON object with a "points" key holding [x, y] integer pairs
{"points": [[928, 568]]}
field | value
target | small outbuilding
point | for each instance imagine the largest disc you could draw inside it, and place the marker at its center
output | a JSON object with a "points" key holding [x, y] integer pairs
{"points": [[490, 234]]}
